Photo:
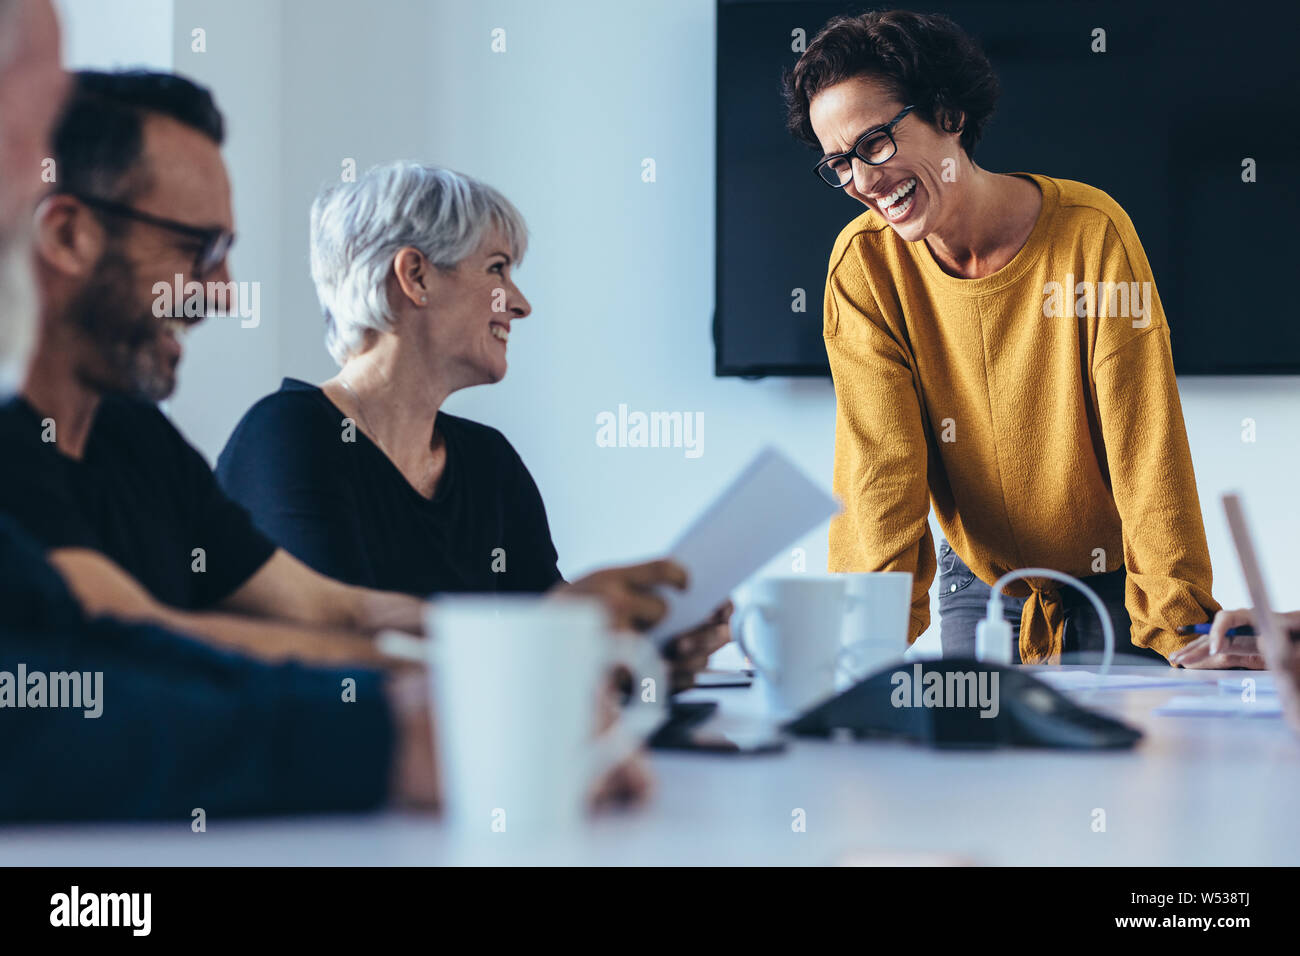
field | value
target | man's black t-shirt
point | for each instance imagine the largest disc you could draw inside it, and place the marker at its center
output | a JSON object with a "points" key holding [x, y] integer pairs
{"points": [[140, 494], [332, 498]]}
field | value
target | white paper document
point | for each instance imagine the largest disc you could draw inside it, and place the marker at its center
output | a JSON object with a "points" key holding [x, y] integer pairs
{"points": [[1261, 683], [770, 505], [1087, 680], [1220, 706]]}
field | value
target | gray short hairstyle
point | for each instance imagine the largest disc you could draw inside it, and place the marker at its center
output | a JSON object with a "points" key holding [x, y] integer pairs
{"points": [[357, 229]]}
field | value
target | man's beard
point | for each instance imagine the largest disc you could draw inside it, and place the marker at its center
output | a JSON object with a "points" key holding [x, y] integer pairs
{"points": [[18, 309], [124, 335]]}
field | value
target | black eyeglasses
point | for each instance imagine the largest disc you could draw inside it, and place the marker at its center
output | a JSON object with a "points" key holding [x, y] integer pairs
{"points": [[873, 147], [214, 244]]}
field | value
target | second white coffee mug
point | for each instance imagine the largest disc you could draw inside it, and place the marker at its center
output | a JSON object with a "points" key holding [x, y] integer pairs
{"points": [[790, 629], [877, 612]]}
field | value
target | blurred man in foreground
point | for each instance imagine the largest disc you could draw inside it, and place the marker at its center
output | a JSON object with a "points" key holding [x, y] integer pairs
{"points": [[164, 725]]}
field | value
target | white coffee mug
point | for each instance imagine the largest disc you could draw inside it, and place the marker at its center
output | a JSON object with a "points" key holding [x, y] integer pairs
{"points": [[877, 613], [516, 684], [790, 629]]}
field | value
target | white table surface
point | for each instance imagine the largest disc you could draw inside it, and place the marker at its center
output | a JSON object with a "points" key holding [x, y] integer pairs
{"points": [[1196, 791]]}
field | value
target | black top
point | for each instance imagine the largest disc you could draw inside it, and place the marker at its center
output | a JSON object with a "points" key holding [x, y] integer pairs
{"points": [[332, 498], [140, 494], [179, 724]]}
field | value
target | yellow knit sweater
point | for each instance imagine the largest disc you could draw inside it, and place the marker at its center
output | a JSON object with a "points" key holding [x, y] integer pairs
{"points": [[1041, 420]]}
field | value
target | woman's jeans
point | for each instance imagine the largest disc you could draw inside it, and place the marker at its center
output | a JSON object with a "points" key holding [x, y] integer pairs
{"points": [[963, 602]]}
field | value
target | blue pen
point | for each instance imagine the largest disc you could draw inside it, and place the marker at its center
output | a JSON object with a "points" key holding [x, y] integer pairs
{"points": [[1243, 631]]}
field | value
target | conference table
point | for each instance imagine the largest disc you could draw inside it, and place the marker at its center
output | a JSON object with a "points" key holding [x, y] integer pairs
{"points": [[1197, 790]]}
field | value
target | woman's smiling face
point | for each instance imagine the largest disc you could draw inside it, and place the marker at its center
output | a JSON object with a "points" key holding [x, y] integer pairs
{"points": [[909, 190], [461, 325]]}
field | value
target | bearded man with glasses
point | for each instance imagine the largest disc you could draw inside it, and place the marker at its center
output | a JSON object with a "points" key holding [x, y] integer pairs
{"points": [[128, 511]]}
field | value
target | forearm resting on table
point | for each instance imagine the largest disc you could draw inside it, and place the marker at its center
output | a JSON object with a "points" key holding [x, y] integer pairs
{"points": [[103, 588], [288, 589]]}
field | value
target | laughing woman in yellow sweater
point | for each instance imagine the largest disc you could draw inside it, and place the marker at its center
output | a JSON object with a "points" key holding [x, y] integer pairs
{"points": [[998, 348]]}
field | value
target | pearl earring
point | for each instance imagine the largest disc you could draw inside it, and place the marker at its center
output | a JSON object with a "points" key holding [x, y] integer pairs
{"points": [[424, 300]]}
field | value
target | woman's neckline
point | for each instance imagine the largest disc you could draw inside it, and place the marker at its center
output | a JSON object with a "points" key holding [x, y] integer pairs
{"points": [[1025, 256], [441, 491]]}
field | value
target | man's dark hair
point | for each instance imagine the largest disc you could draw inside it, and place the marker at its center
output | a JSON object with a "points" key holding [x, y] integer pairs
{"points": [[926, 60], [100, 137]]}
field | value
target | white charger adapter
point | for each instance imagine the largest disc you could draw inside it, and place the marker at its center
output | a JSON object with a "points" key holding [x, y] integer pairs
{"points": [[993, 635]]}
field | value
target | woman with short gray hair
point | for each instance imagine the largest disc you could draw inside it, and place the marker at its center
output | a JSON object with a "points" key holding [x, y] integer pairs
{"points": [[365, 478], [358, 229]]}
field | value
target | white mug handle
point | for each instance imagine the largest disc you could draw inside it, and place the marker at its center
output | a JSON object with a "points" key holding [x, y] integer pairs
{"points": [[851, 601], [742, 625], [844, 662], [640, 718]]}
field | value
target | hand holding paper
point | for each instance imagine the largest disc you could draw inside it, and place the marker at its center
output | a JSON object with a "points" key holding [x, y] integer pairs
{"points": [[768, 506]]}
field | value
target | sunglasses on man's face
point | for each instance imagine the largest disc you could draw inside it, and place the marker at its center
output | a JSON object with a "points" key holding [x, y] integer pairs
{"points": [[214, 244]]}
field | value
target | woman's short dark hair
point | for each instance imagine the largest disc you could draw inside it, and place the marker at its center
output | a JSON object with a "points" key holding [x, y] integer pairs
{"points": [[926, 60]]}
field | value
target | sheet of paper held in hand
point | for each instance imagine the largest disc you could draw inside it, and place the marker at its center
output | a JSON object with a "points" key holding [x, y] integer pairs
{"points": [[770, 505]]}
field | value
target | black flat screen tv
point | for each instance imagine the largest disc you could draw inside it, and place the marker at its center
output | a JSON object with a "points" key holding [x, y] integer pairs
{"points": [[1162, 121]]}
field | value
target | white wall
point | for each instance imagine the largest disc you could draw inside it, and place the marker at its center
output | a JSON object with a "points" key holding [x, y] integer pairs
{"points": [[238, 54], [116, 34], [620, 272], [1266, 470]]}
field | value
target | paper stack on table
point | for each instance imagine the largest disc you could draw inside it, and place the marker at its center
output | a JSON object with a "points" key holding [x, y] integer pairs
{"points": [[1087, 680], [1220, 706], [1262, 683]]}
